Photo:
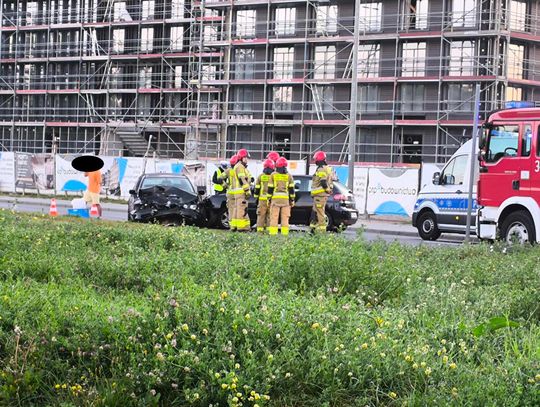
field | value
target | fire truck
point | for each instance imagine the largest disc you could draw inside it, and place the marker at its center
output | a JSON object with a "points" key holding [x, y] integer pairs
{"points": [[509, 177]]}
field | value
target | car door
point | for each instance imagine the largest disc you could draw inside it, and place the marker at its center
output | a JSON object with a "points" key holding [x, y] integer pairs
{"points": [[452, 195], [301, 212]]}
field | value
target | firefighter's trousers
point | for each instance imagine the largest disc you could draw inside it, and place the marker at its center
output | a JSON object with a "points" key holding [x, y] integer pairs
{"points": [[319, 205], [279, 208], [263, 215]]}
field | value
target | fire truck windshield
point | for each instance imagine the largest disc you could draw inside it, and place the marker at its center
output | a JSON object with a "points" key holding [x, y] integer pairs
{"points": [[501, 141]]}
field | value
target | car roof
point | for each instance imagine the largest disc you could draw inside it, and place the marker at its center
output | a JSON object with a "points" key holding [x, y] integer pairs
{"points": [[164, 174]]}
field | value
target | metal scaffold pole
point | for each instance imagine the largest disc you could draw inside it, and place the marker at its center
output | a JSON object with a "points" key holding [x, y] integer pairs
{"points": [[354, 95], [473, 161]]}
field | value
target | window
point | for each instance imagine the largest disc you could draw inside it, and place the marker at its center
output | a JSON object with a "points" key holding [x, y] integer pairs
{"points": [[282, 98], [368, 60], [120, 12], [148, 7], [414, 59], [326, 19], [178, 77], [177, 38], [454, 172], [464, 13], [325, 62], [285, 21], [119, 40], [518, 15], [526, 140], [415, 14], [412, 97], [502, 142], [283, 63], [32, 13], [145, 77], [323, 98], [144, 106], [208, 72], [177, 8], [368, 145], [244, 63], [243, 99], [516, 54], [513, 94], [370, 16], [245, 23], [461, 97], [368, 98], [210, 33], [461, 58], [147, 39]]}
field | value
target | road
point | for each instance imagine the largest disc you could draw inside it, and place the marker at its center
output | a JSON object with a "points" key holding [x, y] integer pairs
{"points": [[117, 212]]}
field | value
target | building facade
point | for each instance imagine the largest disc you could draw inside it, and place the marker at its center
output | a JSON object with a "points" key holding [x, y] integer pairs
{"points": [[202, 79]]}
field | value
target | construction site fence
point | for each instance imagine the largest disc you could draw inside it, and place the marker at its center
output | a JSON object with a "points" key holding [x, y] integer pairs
{"points": [[378, 188]]}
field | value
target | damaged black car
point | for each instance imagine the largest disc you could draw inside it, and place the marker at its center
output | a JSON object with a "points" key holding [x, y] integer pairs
{"points": [[168, 199]]}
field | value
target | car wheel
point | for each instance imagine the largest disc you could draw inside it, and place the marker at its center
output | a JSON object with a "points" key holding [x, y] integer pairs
{"points": [[427, 226], [223, 218], [330, 226], [518, 227]]}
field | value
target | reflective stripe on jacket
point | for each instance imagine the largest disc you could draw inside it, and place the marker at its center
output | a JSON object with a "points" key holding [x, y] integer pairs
{"points": [[283, 186], [323, 173]]}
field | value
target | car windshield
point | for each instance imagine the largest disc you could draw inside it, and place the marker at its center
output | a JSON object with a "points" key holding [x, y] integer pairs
{"points": [[168, 182], [502, 141]]}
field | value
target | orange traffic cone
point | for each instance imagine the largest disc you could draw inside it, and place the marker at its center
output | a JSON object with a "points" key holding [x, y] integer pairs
{"points": [[53, 211], [94, 211]]}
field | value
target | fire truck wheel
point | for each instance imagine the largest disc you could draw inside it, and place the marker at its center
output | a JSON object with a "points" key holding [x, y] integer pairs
{"points": [[518, 227], [427, 226]]}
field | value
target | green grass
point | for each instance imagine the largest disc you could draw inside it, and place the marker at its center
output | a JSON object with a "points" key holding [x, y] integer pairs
{"points": [[104, 314]]}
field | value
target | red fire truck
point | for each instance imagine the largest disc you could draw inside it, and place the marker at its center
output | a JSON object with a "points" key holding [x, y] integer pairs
{"points": [[509, 180]]}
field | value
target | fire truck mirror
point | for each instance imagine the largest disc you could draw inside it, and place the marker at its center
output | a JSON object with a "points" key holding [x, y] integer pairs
{"points": [[436, 178]]}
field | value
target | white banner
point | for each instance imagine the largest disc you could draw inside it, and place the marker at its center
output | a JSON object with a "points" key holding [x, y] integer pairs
{"points": [[360, 188], [392, 191], [7, 171]]}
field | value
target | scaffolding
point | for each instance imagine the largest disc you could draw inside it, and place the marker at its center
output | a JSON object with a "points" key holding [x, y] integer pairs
{"points": [[203, 78]]}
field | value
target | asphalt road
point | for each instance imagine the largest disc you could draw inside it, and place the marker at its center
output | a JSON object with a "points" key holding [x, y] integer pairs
{"points": [[113, 213]]}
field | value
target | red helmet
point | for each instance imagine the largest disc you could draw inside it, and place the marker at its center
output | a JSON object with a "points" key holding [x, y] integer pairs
{"points": [[319, 156], [242, 153], [281, 162], [273, 155], [268, 163], [233, 160]]}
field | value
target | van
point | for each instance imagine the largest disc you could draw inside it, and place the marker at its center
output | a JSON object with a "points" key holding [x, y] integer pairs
{"points": [[441, 206]]}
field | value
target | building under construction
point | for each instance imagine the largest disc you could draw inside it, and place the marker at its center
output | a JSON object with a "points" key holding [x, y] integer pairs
{"points": [[202, 79]]}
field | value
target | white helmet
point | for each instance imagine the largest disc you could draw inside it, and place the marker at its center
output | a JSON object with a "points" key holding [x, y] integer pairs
{"points": [[224, 164]]}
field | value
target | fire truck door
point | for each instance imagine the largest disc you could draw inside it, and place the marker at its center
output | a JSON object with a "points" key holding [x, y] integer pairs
{"points": [[507, 162]]}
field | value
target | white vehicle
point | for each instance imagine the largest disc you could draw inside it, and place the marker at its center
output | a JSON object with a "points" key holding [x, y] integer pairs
{"points": [[441, 206]]}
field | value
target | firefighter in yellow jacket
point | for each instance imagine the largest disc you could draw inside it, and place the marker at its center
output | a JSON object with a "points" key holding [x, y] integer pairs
{"points": [[226, 178], [261, 195], [241, 188], [281, 191], [321, 187]]}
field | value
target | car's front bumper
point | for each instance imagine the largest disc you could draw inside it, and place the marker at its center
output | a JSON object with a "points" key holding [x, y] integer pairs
{"points": [[345, 216]]}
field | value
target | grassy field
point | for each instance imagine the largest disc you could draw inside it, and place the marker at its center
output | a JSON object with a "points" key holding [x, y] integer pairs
{"points": [[104, 314]]}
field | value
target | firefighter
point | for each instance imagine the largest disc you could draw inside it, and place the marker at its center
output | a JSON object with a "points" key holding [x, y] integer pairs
{"points": [[282, 193], [241, 188], [226, 178], [219, 186], [261, 195], [273, 155], [321, 187]]}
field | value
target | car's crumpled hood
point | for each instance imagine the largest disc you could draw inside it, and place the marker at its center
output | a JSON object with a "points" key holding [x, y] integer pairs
{"points": [[166, 196]]}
